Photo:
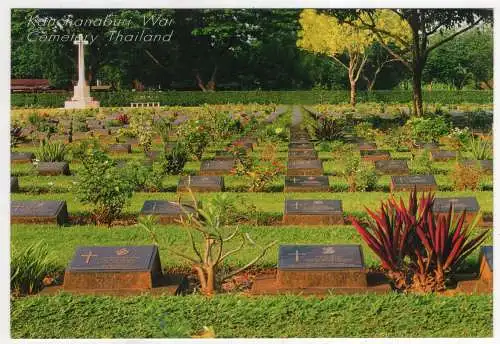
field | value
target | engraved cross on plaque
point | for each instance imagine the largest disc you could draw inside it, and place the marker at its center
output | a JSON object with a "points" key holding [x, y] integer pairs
{"points": [[88, 256], [297, 255]]}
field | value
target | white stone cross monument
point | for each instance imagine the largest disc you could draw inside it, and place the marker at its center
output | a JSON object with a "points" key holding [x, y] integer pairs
{"points": [[81, 97]]}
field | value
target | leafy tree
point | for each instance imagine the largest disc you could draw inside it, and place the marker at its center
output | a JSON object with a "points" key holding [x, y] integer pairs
{"points": [[468, 59], [324, 34], [417, 32]]}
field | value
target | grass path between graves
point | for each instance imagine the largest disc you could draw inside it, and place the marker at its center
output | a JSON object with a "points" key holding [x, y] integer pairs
{"points": [[392, 315], [63, 241]]}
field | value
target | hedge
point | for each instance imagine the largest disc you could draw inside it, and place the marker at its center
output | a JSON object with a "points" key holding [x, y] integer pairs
{"points": [[193, 98]]}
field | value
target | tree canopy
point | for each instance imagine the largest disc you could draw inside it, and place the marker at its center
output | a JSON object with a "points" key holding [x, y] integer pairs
{"points": [[242, 49]]}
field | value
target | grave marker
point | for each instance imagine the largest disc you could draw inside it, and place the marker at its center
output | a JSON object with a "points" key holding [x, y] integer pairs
{"points": [[38, 212], [53, 168], [21, 157], [321, 266], [304, 168], [307, 184], [102, 268], [300, 146], [484, 165], [216, 167], [374, 155], [201, 184], [392, 167], [120, 148], [441, 206], [407, 183], [313, 212], [442, 155], [303, 155], [166, 211]]}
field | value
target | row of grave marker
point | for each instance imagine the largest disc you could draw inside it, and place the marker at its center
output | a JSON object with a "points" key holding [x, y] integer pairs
{"points": [[301, 268]]}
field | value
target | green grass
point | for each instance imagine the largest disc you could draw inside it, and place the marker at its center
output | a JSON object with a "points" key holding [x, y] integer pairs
{"points": [[392, 315], [64, 240]]}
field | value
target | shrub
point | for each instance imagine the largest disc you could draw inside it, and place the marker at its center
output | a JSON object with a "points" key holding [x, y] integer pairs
{"points": [[28, 268], [362, 129], [421, 163], [51, 151], [466, 177], [275, 133], [418, 250], [196, 137], [260, 173], [193, 98], [140, 125], [175, 159], [329, 128], [459, 138], [480, 148], [325, 146], [269, 152], [480, 120], [209, 239], [366, 178], [359, 176], [428, 129], [163, 126], [103, 185]]}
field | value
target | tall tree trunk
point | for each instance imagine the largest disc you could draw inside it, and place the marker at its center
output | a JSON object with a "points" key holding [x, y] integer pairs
{"points": [[353, 93], [417, 89]]}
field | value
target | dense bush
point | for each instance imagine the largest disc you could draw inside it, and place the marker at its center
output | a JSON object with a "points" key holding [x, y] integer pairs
{"points": [[192, 98], [103, 185], [428, 129]]}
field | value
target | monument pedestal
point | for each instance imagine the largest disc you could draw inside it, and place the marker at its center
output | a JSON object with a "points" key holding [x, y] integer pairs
{"points": [[81, 99]]}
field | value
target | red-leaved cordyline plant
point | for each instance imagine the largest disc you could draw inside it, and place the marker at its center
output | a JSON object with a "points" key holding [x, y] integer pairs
{"points": [[391, 233], [434, 245], [123, 118], [444, 244]]}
